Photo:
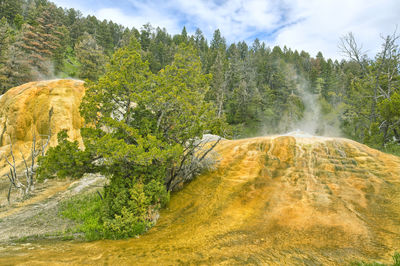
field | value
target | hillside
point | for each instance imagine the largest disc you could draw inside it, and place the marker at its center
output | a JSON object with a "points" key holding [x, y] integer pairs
{"points": [[294, 199]]}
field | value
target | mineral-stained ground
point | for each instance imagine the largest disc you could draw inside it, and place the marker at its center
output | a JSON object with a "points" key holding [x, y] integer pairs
{"points": [[292, 199]]}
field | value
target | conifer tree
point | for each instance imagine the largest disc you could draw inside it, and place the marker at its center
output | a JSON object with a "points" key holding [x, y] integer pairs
{"points": [[218, 84], [91, 58], [5, 35], [40, 43], [10, 9]]}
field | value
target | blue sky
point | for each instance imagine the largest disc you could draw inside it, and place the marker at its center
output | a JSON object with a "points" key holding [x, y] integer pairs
{"points": [[310, 25]]}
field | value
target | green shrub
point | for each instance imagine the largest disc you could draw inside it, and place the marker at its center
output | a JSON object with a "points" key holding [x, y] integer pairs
{"points": [[131, 204], [64, 160], [124, 212], [145, 148], [396, 259]]}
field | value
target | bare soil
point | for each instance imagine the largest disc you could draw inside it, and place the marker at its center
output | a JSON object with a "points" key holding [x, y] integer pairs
{"points": [[37, 216]]}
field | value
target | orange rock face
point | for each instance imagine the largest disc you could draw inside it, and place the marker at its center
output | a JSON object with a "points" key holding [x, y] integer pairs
{"points": [[24, 111], [279, 200]]}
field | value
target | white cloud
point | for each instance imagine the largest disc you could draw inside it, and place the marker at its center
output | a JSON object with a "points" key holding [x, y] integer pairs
{"points": [[137, 21], [310, 25], [326, 21], [237, 20]]}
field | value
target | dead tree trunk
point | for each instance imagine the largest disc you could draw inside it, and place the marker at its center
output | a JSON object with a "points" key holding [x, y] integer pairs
{"points": [[190, 164], [13, 177], [29, 168]]}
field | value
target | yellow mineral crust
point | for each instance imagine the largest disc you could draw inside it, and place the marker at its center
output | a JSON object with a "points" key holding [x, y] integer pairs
{"points": [[277, 200], [24, 111]]}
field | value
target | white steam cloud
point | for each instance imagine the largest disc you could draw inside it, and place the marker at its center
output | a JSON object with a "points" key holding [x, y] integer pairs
{"points": [[304, 112]]}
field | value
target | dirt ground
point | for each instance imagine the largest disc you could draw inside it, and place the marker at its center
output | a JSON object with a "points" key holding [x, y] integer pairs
{"points": [[37, 216]]}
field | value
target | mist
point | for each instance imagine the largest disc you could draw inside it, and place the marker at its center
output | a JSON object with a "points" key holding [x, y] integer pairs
{"points": [[308, 116]]}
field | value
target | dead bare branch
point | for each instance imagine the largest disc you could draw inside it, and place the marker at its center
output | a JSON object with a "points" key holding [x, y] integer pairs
{"points": [[352, 50]]}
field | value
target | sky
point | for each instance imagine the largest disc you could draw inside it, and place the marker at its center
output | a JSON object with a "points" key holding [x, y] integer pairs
{"points": [[309, 25]]}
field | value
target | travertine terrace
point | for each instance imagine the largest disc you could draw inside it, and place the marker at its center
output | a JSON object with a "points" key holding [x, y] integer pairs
{"points": [[289, 199], [24, 112]]}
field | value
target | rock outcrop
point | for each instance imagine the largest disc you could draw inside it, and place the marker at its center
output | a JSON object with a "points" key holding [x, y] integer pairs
{"points": [[24, 112]]}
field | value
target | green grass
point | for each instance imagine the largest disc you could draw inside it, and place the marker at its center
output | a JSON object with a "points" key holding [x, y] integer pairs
{"points": [[38, 237], [395, 257], [85, 211]]}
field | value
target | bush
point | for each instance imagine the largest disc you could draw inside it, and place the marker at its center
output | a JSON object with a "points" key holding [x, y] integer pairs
{"points": [[143, 127], [64, 160], [396, 259], [129, 208], [131, 205]]}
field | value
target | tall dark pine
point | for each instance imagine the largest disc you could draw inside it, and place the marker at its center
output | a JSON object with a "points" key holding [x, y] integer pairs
{"points": [[14, 68], [91, 57], [40, 44], [217, 93], [5, 31], [10, 8]]}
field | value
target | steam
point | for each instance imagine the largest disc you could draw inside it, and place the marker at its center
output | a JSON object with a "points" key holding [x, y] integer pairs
{"points": [[314, 121], [308, 117], [311, 120], [45, 73]]}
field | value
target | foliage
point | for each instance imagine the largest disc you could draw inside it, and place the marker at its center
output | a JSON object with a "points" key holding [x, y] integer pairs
{"points": [[64, 160], [373, 101], [253, 86], [392, 147], [10, 10], [5, 34], [85, 211], [132, 211], [90, 57], [145, 126], [396, 259]]}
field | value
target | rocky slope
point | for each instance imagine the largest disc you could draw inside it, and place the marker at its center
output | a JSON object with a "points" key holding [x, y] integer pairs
{"points": [[293, 199]]}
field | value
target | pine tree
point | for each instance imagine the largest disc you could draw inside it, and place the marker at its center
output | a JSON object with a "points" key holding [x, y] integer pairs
{"points": [[53, 35], [9, 9], [201, 44], [104, 37], [14, 67], [218, 43], [41, 43], [5, 34], [17, 70], [91, 58], [37, 54], [218, 90], [161, 51]]}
